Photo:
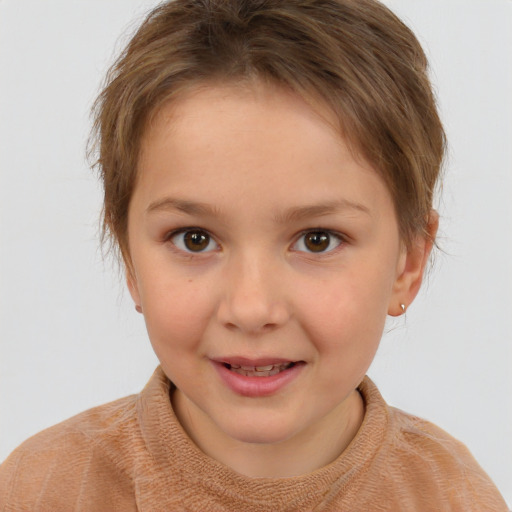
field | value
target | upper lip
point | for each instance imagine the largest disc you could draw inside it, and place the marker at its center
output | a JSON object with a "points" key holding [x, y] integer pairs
{"points": [[245, 361]]}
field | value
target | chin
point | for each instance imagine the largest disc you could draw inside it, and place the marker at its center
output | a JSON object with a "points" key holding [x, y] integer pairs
{"points": [[257, 433]]}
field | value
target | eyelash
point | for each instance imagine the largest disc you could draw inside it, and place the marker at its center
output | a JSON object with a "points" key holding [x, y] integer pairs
{"points": [[331, 234], [183, 231]]}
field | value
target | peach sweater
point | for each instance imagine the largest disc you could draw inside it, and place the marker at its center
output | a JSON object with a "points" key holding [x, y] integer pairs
{"points": [[132, 455]]}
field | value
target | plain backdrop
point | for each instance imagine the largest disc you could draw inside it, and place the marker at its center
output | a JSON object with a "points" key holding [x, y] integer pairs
{"points": [[70, 338]]}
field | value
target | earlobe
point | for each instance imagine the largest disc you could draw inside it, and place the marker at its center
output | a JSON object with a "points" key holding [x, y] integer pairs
{"points": [[412, 265], [133, 287]]}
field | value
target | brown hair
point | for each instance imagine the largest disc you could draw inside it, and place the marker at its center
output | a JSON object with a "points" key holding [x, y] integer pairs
{"points": [[355, 55]]}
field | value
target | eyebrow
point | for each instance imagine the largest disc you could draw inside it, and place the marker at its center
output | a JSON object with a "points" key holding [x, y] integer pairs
{"points": [[293, 214], [182, 205], [319, 210]]}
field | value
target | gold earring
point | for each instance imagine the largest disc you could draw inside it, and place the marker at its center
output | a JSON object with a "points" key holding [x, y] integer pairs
{"points": [[403, 308]]}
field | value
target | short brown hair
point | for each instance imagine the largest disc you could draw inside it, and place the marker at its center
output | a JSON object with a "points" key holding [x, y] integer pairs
{"points": [[355, 55]]}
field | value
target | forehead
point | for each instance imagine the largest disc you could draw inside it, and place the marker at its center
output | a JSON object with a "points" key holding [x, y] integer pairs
{"points": [[203, 113], [233, 103], [263, 139]]}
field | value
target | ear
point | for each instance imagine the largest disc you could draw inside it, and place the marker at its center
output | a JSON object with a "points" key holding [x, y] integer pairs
{"points": [[133, 287], [411, 267]]}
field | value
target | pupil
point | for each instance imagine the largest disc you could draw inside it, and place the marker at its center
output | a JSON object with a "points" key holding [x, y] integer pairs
{"points": [[196, 240], [317, 241]]}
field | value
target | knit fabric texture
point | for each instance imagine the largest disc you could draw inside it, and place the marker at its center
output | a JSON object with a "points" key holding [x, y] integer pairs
{"points": [[133, 455]]}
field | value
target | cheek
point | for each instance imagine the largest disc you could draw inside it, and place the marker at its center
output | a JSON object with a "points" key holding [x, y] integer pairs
{"points": [[346, 315], [176, 311]]}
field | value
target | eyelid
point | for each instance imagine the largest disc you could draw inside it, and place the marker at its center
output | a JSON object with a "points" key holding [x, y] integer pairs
{"points": [[334, 234], [341, 238], [171, 234]]}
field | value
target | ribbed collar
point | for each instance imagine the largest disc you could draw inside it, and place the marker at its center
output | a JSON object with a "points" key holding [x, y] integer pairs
{"points": [[172, 469]]}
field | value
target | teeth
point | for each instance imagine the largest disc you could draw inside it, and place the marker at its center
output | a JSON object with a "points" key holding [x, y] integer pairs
{"points": [[255, 368], [260, 371], [264, 368]]}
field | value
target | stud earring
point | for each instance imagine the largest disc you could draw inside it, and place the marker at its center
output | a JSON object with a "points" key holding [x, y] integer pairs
{"points": [[403, 308], [138, 308]]}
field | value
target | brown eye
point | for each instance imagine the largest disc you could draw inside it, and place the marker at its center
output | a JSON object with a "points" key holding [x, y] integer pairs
{"points": [[193, 240], [317, 241], [196, 240]]}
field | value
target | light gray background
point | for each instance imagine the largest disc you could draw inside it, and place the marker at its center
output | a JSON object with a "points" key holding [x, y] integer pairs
{"points": [[70, 338]]}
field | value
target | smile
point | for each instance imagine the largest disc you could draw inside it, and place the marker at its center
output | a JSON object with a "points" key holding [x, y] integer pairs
{"points": [[257, 378], [259, 371]]}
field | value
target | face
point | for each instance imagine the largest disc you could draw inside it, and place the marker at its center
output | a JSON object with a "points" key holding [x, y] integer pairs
{"points": [[265, 258]]}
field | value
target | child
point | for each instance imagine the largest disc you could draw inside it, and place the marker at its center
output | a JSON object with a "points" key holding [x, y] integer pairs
{"points": [[268, 169]]}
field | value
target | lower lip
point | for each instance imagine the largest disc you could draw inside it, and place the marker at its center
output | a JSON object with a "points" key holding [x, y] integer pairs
{"points": [[257, 386]]}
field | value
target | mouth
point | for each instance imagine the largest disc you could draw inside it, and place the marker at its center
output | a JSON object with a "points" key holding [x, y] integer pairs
{"points": [[257, 377], [267, 370]]}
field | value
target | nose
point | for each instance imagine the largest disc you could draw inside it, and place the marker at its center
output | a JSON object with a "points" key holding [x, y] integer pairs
{"points": [[253, 296]]}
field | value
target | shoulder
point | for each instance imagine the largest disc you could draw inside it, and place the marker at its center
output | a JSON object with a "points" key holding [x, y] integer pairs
{"points": [[62, 464], [415, 465], [436, 463], [418, 437]]}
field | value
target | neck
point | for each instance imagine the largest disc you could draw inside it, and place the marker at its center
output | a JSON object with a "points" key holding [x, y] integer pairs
{"points": [[304, 453]]}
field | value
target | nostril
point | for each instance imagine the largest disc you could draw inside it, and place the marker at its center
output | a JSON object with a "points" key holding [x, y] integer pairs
{"points": [[251, 315]]}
